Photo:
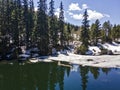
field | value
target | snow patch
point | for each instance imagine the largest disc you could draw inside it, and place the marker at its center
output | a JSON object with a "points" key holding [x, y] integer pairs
{"points": [[104, 61]]}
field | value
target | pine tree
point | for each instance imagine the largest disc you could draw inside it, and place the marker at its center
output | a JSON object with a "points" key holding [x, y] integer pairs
{"points": [[95, 31], [68, 28], [61, 25], [115, 32], [15, 26], [8, 16], [1, 27], [31, 21], [42, 28], [107, 27], [3, 16], [118, 33], [103, 36], [26, 22], [0, 15], [53, 28], [85, 30], [68, 35], [17, 21], [5, 26], [20, 21], [85, 33]]}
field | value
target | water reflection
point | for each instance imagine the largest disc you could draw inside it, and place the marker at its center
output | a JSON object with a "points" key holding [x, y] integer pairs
{"points": [[44, 76], [84, 76], [95, 71]]}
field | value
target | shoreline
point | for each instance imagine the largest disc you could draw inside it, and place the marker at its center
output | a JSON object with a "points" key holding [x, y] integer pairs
{"points": [[101, 61]]}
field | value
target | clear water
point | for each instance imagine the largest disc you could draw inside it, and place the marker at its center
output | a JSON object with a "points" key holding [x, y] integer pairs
{"points": [[50, 76]]}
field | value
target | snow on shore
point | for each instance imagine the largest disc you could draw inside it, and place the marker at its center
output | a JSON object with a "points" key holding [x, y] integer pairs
{"points": [[104, 61]]}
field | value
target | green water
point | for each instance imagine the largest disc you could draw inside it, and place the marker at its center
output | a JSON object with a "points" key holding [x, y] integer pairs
{"points": [[50, 76]]}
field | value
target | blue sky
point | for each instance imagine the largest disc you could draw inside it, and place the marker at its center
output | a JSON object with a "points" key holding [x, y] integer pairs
{"points": [[97, 9]]}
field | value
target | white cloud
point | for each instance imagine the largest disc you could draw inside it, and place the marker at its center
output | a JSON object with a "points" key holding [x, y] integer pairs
{"points": [[85, 6], [74, 7], [77, 16], [93, 15]]}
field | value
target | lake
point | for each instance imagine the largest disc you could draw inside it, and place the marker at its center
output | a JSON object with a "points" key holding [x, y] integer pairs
{"points": [[50, 76]]}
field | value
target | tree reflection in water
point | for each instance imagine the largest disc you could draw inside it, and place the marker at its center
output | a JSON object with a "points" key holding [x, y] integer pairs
{"points": [[41, 76], [95, 71], [84, 76]]}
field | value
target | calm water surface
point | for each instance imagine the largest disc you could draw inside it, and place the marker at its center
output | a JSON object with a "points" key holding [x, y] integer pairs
{"points": [[50, 76]]}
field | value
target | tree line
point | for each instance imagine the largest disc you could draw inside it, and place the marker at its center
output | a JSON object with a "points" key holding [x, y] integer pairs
{"points": [[21, 25]]}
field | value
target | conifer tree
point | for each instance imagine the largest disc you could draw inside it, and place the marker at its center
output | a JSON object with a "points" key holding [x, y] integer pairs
{"points": [[107, 27], [2, 30], [5, 13], [85, 29], [20, 20], [53, 28], [103, 36], [2, 17], [61, 25], [118, 32], [115, 32], [42, 28], [68, 35], [17, 21], [85, 33], [95, 31], [31, 21], [26, 22]]}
